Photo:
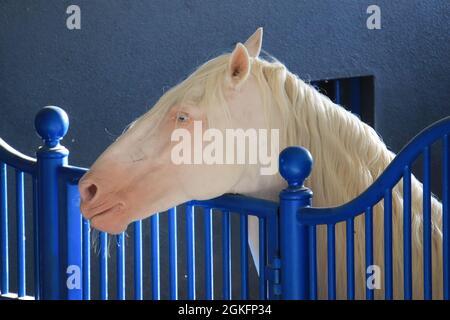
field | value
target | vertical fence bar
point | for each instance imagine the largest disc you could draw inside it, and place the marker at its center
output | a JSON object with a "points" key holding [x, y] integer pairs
{"points": [[4, 228], [209, 276], [331, 254], [273, 255], [388, 280], [51, 124], [173, 269], [295, 165], [262, 259], [446, 213], [355, 92], [407, 240], [20, 216], [36, 272], [120, 266], [337, 91], [138, 277], [154, 226], [368, 218], [103, 265], [226, 255], [72, 236], [427, 281], [244, 256], [350, 253], [312, 262], [190, 250], [86, 260]]}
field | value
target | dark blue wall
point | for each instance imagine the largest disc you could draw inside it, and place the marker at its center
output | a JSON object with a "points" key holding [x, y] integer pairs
{"points": [[127, 52]]}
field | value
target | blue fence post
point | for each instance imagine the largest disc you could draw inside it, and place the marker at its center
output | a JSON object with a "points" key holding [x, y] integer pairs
{"points": [[51, 124], [295, 165]]}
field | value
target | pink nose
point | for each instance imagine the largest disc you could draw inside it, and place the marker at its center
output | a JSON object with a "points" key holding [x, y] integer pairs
{"points": [[88, 191]]}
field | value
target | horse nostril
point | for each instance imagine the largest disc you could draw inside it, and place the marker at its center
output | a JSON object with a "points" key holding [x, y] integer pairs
{"points": [[88, 193]]}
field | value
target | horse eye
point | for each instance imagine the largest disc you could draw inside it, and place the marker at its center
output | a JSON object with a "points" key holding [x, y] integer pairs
{"points": [[182, 118]]}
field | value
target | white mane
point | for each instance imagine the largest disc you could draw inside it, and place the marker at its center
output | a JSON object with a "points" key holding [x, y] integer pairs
{"points": [[348, 156]]}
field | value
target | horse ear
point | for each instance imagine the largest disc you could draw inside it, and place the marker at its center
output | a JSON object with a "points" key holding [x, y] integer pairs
{"points": [[239, 65], [254, 43]]}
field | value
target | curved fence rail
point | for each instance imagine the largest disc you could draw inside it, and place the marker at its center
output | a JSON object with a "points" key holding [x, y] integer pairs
{"points": [[381, 189], [67, 256], [24, 167]]}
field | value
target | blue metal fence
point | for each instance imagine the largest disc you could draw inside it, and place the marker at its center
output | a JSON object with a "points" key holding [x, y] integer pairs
{"points": [[381, 189], [288, 250]]}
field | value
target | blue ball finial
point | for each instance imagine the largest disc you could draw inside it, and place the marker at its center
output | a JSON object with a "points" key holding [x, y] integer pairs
{"points": [[51, 124], [295, 165]]}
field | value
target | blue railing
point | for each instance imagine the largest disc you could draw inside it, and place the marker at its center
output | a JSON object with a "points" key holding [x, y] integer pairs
{"points": [[63, 263], [62, 238], [399, 168]]}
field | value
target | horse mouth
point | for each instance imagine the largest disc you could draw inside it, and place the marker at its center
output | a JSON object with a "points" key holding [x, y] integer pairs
{"points": [[111, 210]]}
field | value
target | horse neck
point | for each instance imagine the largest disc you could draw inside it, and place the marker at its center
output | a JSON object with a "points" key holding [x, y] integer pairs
{"points": [[348, 154]]}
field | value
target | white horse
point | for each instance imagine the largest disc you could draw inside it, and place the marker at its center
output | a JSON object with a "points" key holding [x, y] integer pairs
{"points": [[136, 176]]}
